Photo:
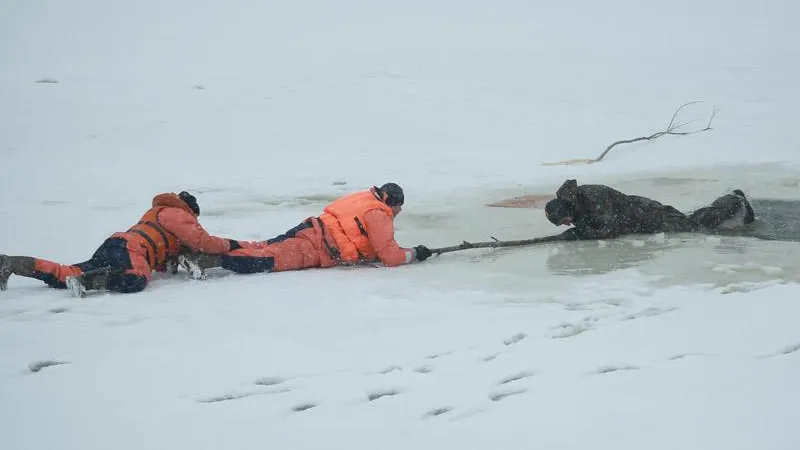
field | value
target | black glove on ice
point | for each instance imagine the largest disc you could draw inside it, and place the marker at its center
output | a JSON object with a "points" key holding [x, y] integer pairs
{"points": [[423, 252]]}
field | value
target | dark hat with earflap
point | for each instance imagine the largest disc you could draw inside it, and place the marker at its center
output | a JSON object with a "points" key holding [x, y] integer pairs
{"points": [[391, 194], [190, 201]]}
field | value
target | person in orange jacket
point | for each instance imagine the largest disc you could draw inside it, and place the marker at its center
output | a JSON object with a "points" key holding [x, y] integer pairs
{"points": [[125, 261], [355, 229]]}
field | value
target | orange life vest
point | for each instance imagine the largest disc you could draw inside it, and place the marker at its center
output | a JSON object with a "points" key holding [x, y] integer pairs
{"points": [[343, 223], [160, 243]]}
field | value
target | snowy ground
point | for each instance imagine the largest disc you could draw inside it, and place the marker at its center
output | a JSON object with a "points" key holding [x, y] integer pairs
{"points": [[267, 110]]}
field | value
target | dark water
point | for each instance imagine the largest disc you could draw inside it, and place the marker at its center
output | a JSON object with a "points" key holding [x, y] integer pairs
{"points": [[775, 220]]}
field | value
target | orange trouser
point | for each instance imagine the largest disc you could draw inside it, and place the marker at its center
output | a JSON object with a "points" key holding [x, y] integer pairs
{"points": [[299, 248]]}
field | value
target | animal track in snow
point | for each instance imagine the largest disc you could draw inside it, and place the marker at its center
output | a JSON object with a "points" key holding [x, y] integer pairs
{"points": [[608, 369], [424, 369], [58, 310], [514, 339], [500, 395], [303, 407], [374, 395], [37, 366], [512, 378]]}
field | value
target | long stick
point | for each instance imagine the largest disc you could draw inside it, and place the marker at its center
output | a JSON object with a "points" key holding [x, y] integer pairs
{"points": [[493, 244]]}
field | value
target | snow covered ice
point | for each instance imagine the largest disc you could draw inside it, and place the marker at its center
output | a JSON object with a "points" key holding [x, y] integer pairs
{"points": [[268, 110]]}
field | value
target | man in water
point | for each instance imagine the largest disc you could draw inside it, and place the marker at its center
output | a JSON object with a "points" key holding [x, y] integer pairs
{"points": [[599, 212]]}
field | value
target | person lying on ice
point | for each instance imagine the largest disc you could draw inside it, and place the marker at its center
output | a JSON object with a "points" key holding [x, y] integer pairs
{"points": [[600, 212], [357, 228], [125, 261]]}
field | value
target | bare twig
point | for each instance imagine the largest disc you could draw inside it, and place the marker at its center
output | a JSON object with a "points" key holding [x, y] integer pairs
{"points": [[672, 129], [494, 244]]}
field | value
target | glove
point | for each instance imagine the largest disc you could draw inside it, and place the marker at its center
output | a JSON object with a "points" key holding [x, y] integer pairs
{"points": [[234, 245], [423, 252]]}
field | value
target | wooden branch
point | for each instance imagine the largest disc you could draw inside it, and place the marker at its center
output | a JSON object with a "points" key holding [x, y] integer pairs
{"points": [[494, 244], [670, 130]]}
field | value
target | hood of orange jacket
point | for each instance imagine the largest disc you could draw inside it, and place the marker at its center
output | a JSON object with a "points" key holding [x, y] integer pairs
{"points": [[172, 200]]}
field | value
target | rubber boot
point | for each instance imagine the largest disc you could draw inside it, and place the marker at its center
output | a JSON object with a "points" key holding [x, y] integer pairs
{"points": [[93, 280], [23, 266], [197, 263]]}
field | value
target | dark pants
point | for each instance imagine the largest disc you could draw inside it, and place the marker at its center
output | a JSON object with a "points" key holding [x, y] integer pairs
{"points": [[113, 254]]}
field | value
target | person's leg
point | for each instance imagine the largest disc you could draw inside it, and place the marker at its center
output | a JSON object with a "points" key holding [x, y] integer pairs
{"points": [[292, 253], [114, 267], [51, 273], [292, 250]]}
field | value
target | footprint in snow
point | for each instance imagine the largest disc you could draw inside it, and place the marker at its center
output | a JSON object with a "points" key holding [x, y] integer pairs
{"points": [[437, 412], [608, 369], [790, 349], [515, 377], [37, 366], [269, 381], [374, 395], [424, 369], [389, 369], [514, 339], [303, 407], [490, 357], [567, 330], [238, 395], [439, 355], [500, 395], [685, 355], [649, 312]]}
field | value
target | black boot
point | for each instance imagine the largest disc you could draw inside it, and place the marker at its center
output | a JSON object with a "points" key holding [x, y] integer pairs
{"points": [[23, 266], [93, 280], [196, 263]]}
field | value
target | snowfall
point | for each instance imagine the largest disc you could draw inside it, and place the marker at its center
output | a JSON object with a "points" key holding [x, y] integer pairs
{"points": [[267, 110]]}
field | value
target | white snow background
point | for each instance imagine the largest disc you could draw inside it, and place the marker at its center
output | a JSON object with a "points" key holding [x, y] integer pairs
{"points": [[266, 110]]}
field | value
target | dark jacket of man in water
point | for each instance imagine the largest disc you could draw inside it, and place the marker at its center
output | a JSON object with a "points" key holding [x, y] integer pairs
{"points": [[600, 212]]}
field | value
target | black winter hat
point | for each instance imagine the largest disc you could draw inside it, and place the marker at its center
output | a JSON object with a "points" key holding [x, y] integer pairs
{"points": [[393, 194], [190, 201], [556, 210]]}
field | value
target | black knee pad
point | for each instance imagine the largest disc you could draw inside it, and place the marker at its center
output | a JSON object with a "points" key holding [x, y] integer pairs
{"points": [[247, 264]]}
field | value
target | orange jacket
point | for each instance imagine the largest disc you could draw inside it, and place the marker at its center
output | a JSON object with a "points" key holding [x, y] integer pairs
{"points": [[169, 225], [359, 228]]}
